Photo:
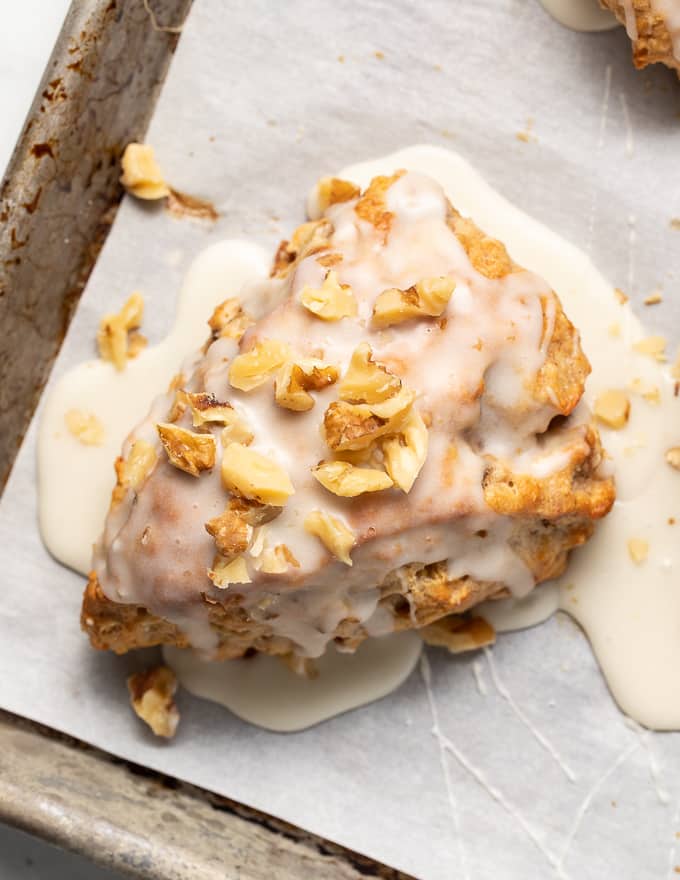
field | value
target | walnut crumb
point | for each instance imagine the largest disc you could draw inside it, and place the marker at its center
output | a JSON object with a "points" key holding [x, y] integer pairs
{"points": [[151, 696], [141, 175], [638, 550], [612, 408], [187, 450], [653, 298], [652, 346], [85, 427], [620, 295], [673, 457], [116, 338]]}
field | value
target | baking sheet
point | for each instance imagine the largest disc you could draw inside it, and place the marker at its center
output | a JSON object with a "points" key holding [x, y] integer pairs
{"points": [[256, 107]]}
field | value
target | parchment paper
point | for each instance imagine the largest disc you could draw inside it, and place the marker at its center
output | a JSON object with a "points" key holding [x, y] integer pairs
{"points": [[257, 106]]}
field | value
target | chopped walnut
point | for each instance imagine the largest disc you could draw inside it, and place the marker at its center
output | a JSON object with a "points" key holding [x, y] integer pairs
{"points": [[236, 431], [86, 427], [276, 560], [406, 452], [612, 408], [141, 175], [650, 393], [252, 475], [187, 450], [353, 426], [331, 190], [330, 302], [137, 342], [652, 346], [295, 380], [427, 298], [231, 532], [673, 457], [347, 481], [230, 320], [151, 696], [113, 335], [252, 369], [638, 550], [337, 537], [225, 572], [653, 299], [620, 295], [366, 381], [133, 470], [207, 408], [458, 634]]}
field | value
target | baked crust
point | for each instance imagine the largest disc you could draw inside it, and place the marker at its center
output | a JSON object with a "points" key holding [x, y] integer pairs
{"points": [[653, 42]]}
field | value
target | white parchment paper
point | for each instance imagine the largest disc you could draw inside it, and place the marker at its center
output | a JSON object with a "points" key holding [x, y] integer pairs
{"points": [[256, 107]]}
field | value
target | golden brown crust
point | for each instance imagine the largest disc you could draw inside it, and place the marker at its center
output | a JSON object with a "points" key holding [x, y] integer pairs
{"points": [[654, 42]]}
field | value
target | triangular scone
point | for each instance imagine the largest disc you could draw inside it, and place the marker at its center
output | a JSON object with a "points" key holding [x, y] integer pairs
{"points": [[387, 446]]}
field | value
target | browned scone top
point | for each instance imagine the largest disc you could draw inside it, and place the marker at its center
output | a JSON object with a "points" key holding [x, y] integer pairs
{"points": [[649, 31], [406, 413]]}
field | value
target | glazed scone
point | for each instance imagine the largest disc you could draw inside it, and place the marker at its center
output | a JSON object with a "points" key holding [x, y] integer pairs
{"points": [[398, 439], [653, 27]]}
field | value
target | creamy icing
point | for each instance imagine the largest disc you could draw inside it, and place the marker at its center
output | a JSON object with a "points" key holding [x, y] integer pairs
{"points": [[580, 15], [639, 665]]}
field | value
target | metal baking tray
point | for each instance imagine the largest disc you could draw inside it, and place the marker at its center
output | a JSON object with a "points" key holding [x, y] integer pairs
{"points": [[57, 203]]}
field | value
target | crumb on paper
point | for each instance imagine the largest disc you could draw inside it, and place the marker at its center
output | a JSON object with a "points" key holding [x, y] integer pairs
{"points": [[181, 204], [673, 457], [652, 346], [142, 176], [341, 59], [379, 55], [620, 295], [458, 634], [653, 299], [151, 696], [85, 427], [675, 223], [675, 369], [115, 337], [638, 550], [612, 408], [527, 135]]}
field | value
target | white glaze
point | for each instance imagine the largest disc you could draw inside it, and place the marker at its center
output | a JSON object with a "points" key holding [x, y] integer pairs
{"points": [[580, 15], [636, 639], [263, 691]]}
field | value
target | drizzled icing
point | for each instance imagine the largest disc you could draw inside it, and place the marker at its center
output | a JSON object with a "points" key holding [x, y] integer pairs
{"points": [[474, 375]]}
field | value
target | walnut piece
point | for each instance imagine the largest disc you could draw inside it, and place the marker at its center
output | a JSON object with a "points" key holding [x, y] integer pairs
{"points": [[354, 426], [638, 550], [366, 381], [673, 457], [296, 379], [652, 346], [612, 408], [207, 408], [151, 695], [330, 302], [141, 175], [254, 476], [336, 536], [85, 427], [276, 560], [252, 369], [428, 298], [230, 320], [406, 452], [458, 634], [133, 470], [344, 479], [225, 572], [231, 532], [112, 337], [331, 190], [188, 451]]}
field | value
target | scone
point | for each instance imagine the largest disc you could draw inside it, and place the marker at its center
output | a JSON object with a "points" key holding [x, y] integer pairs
{"points": [[398, 439], [653, 27]]}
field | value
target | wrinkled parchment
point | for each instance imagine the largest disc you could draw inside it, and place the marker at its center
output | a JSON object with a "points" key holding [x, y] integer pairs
{"points": [[263, 98]]}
